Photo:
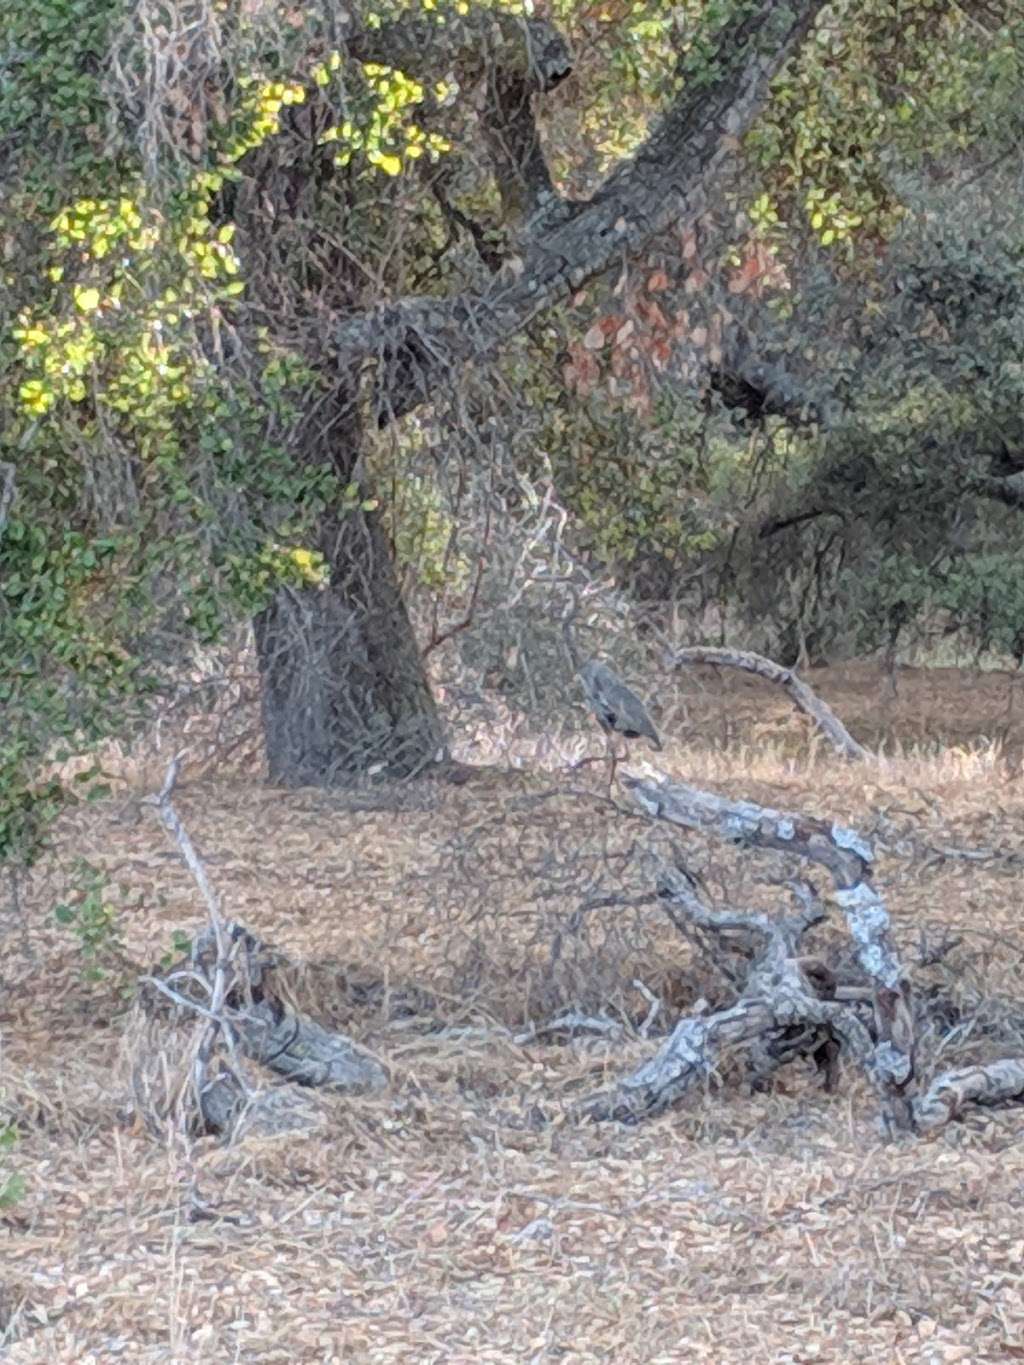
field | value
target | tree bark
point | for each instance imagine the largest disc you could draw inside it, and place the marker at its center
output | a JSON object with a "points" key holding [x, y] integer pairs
{"points": [[419, 342]]}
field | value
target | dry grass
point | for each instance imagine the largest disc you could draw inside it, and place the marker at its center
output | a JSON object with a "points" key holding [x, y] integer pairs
{"points": [[464, 1217]]}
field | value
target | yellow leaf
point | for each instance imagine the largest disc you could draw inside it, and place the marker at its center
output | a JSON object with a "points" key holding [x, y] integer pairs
{"points": [[87, 299], [35, 397]]}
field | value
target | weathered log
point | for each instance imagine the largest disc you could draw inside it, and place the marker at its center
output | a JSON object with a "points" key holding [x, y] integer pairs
{"points": [[264, 1027], [802, 696], [846, 855], [270, 1112], [301, 1050], [779, 1015]]}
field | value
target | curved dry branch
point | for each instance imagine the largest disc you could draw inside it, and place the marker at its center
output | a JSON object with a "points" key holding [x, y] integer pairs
{"points": [[792, 1004], [802, 697]]}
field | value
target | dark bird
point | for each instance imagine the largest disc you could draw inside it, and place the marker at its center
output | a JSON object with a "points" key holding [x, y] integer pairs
{"points": [[617, 708]]}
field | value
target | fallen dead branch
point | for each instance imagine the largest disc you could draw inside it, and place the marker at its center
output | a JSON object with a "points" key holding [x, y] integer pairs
{"points": [[228, 983], [793, 1004], [992, 1085], [781, 1013], [802, 697]]}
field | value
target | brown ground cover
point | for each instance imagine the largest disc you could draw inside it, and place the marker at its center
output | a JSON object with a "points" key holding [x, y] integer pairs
{"points": [[464, 1216]]}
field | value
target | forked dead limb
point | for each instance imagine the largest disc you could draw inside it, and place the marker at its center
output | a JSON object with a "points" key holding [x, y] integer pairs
{"points": [[781, 1013], [791, 1003]]}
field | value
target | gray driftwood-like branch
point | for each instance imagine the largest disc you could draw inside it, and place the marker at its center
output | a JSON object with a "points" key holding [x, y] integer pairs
{"points": [[792, 1004], [802, 697], [848, 857], [783, 1012], [273, 1032], [987, 1085], [264, 1027], [418, 342]]}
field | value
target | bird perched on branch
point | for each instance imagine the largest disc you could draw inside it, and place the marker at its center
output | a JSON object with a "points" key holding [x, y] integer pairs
{"points": [[616, 707]]}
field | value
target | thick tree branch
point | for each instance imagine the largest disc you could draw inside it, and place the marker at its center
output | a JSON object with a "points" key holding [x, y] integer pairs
{"points": [[417, 342]]}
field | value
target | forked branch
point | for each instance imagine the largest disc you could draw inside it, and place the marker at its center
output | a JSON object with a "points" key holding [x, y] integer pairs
{"points": [[778, 991]]}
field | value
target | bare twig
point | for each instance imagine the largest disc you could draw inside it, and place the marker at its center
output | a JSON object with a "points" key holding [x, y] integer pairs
{"points": [[572, 1021]]}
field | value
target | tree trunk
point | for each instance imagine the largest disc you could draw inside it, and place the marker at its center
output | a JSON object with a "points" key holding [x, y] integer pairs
{"points": [[344, 691], [343, 683]]}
